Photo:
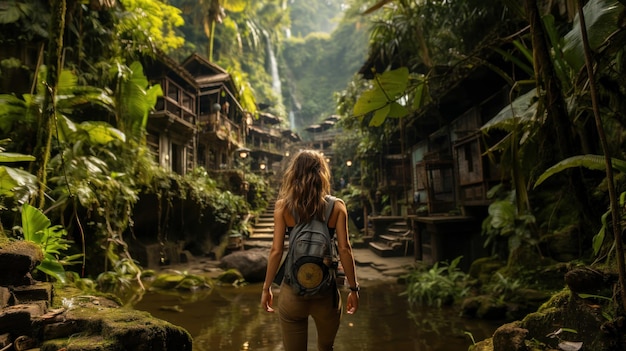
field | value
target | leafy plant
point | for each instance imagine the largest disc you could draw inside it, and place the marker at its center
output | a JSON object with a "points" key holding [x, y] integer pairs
{"points": [[504, 221], [504, 286], [440, 285], [124, 281], [15, 183], [591, 162], [36, 228]]}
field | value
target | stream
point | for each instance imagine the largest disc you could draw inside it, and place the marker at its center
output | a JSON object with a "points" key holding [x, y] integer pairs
{"points": [[231, 318]]}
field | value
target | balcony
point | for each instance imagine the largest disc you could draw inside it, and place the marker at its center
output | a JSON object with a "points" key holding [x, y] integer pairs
{"points": [[175, 110], [217, 126]]}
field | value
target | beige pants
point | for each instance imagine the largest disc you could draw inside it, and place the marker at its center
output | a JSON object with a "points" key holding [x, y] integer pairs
{"points": [[294, 312]]}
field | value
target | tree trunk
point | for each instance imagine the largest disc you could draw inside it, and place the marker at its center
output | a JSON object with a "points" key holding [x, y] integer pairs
{"points": [[557, 121], [47, 120], [615, 215]]}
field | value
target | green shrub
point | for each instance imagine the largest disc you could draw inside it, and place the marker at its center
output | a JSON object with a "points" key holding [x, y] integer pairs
{"points": [[442, 284]]}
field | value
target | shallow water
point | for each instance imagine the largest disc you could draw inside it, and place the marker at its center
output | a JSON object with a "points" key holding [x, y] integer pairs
{"points": [[229, 318]]}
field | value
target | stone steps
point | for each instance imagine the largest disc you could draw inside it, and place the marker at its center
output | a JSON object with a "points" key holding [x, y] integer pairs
{"points": [[262, 232], [397, 240]]}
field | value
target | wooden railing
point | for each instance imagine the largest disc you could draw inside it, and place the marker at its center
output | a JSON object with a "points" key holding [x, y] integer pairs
{"points": [[220, 124], [176, 102]]}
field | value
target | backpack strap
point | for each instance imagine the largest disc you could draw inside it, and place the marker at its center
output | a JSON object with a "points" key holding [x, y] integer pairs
{"points": [[330, 204]]}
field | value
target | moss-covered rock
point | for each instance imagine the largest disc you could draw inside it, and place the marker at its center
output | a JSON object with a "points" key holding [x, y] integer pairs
{"points": [[581, 319], [22, 257], [564, 245], [484, 268], [484, 307], [510, 337], [88, 324]]}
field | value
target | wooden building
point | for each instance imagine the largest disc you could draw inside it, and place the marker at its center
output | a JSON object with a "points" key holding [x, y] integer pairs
{"points": [[172, 125], [268, 142], [222, 122], [441, 146]]}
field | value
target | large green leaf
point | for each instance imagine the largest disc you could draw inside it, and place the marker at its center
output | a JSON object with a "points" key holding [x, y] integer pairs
{"points": [[13, 11], [235, 5], [393, 83], [53, 268], [12, 109], [379, 116], [397, 111], [136, 99], [522, 109], [34, 222], [11, 178], [67, 81], [602, 19], [502, 214], [65, 128], [593, 162], [102, 132], [598, 239], [422, 93], [388, 87], [369, 101], [14, 157]]}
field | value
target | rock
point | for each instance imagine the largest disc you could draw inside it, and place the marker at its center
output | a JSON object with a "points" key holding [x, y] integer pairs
{"points": [[484, 307], [563, 246], [85, 322], [5, 340], [15, 320], [113, 328], [484, 268], [586, 280], [24, 342], [484, 345], [22, 257], [35, 292], [250, 263], [510, 337], [565, 310], [5, 297]]}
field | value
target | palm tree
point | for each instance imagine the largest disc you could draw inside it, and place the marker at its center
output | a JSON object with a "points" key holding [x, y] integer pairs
{"points": [[214, 12]]}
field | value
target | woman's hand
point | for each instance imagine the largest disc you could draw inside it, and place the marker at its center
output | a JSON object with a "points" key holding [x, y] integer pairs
{"points": [[353, 302], [267, 299]]}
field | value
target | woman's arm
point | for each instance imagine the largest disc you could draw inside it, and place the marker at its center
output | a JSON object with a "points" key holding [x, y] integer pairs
{"points": [[346, 256], [275, 256]]}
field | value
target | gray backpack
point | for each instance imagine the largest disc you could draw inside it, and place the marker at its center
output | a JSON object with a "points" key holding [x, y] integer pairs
{"points": [[312, 258]]}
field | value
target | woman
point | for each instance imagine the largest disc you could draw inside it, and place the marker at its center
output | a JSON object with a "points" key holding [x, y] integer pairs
{"points": [[305, 185]]}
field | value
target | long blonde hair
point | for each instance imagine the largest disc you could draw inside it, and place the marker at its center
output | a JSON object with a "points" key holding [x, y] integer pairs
{"points": [[305, 185]]}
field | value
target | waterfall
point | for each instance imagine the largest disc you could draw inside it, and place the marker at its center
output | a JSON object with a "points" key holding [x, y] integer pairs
{"points": [[276, 86], [292, 120]]}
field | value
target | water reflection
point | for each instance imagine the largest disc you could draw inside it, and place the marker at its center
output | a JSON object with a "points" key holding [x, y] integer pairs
{"points": [[228, 318]]}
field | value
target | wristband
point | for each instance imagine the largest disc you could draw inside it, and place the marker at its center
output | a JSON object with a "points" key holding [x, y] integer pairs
{"points": [[355, 289]]}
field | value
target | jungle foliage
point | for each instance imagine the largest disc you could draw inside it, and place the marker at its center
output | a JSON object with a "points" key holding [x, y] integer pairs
{"points": [[97, 163], [562, 99]]}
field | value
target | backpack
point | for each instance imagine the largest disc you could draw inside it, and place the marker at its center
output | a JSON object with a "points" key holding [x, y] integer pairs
{"points": [[312, 258]]}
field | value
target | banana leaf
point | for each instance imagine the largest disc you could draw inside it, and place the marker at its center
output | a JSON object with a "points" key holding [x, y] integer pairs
{"points": [[593, 162]]}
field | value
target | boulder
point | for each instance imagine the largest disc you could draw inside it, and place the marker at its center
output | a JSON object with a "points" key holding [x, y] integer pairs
{"points": [[484, 307], [250, 263], [510, 337]]}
